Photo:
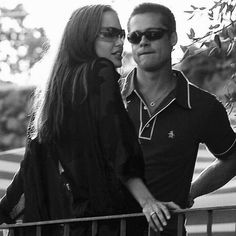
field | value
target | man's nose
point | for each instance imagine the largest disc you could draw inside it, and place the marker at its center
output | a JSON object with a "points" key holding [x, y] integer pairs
{"points": [[144, 41]]}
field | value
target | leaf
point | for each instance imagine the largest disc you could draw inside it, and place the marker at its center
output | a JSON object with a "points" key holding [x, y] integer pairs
{"points": [[230, 8], [233, 77], [186, 54], [191, 17], [224, 31], [217, 41], [212, 51], [194, 8], [183, 48], [230, 33], [189, 12], [192, 32], [205, 43], [207, 34], [210, 14], [189, 36], [230, 48], [222, 7], [216, 5], [221, 17], [214, 26]]}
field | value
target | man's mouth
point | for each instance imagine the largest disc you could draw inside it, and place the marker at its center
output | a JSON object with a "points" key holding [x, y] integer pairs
{"points": [[144, 53]]}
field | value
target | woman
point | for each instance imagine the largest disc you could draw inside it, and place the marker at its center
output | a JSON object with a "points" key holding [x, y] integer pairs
{"points": [[82, 147]]}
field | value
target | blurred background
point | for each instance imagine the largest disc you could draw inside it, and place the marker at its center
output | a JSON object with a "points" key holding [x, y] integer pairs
{"points": [[30, 32]]}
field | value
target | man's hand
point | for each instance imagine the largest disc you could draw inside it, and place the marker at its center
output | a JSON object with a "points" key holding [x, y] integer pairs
{"points": [[158, 213]]}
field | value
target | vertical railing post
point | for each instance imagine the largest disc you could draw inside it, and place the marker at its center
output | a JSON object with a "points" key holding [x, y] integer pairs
{"points": [[151, 232], [209, 222], [180, 226], [38, 230], [122, 227], [66, 231], [94, 227], [11, 232]]}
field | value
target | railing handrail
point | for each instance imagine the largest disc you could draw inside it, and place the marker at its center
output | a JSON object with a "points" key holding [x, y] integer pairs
{"points": [[110, 217], [71, 220]]}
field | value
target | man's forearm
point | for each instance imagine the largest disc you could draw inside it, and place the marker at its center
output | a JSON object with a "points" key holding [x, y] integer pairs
{"points": [[139, 191], [157, 213], [213, 177]]}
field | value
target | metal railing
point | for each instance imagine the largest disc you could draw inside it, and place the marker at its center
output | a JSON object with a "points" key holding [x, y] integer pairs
{"points": [[65, 224]]}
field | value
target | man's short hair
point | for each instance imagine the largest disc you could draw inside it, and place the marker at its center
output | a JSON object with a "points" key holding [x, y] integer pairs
{"points": [[167, 15]]}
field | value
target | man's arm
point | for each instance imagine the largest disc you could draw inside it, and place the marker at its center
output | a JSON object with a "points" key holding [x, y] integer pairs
{"points": [[213, 177], [156, 212]]}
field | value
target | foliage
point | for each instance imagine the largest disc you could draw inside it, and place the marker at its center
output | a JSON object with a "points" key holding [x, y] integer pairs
{"points": [[20, 47], [14, 110], [213, 54]]}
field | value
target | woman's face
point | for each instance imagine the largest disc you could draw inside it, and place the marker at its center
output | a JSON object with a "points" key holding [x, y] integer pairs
{"points": [[110, 41]]}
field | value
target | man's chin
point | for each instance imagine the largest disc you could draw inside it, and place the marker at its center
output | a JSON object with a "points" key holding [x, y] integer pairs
{"points": [[148, 67], [152, 65]]}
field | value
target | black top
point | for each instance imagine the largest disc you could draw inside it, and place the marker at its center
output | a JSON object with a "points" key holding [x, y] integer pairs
{"points": [[98, 151], [171, 136]]}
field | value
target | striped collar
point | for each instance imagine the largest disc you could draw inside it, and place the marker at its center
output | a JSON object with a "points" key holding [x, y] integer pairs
{"points": [[182, 89]]}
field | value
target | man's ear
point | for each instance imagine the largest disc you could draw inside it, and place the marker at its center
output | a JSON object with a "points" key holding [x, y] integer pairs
{"points": [[173, 38]]}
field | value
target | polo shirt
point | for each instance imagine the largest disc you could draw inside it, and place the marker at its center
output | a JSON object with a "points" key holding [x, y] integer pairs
{"points": [[171, 136]]}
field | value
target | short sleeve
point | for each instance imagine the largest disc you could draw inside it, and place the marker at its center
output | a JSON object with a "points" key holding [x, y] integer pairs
{"points": [[118, 138], [219, 135]]}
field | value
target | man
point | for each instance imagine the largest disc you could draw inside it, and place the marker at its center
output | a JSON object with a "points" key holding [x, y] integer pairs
{"points": [[172, 116]]}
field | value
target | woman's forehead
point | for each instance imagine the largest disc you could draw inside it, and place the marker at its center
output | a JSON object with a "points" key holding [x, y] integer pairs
{"points": [[110, 19]]}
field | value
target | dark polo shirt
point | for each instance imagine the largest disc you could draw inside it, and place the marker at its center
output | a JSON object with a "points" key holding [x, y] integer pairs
{"points": [[171, 136]]}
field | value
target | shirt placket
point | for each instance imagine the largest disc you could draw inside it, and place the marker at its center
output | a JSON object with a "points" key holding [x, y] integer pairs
{"points": [[148, 121]]}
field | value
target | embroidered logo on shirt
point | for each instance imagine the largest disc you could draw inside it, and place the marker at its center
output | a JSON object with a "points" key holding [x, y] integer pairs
{"points": [[171, 134]]}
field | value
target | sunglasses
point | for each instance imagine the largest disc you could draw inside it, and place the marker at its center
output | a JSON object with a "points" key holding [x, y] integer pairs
{"points": [[151, 35], [111, 34]]}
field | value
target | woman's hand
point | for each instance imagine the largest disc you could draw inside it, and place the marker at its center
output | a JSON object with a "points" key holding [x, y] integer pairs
{"points": [[158, 213]]}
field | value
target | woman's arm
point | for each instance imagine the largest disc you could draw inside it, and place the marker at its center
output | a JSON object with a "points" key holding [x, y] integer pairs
{"points": [[13, 202]]}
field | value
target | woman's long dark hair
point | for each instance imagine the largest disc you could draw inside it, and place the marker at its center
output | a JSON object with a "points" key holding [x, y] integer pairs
{"points": [[67, 84]]}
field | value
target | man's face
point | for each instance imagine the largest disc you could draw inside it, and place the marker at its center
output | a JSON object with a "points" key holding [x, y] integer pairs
{"points": [[151, 55]]}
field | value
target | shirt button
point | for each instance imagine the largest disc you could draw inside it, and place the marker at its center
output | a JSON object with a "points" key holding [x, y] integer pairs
{"points": [[147, 125], [145, 108]]}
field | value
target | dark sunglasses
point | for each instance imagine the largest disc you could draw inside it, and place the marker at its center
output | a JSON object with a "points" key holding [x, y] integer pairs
{"points": [[151, 35], [111, 34]]}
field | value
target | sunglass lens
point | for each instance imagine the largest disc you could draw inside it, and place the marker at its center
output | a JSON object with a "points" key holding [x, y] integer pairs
{"points": [[154, 35], [135, 37], [112, 33], [150, 35]]}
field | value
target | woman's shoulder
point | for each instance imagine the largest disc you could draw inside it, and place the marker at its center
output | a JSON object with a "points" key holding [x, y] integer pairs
{"points": [[102, 61], [103, 64], [104, 69]]}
